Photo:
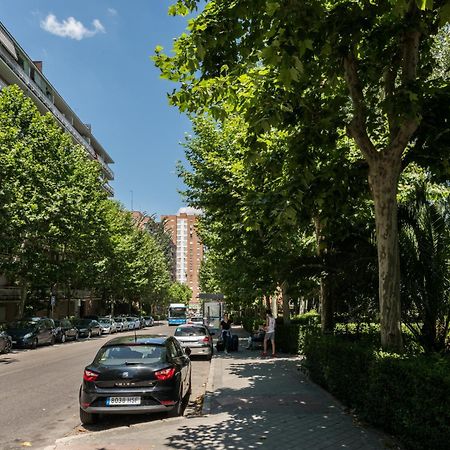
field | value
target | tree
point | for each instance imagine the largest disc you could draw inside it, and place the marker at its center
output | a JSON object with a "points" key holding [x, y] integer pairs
{"points": [[425, 253], [265, 60], [49, 199], [179, 293]]}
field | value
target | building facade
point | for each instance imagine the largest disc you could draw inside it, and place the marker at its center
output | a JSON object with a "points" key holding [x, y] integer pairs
{"points": [[189, 251], [16, 67]]}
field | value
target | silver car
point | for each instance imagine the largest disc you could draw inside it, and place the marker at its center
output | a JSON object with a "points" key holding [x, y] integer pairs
{"points": [[107, 325], [197, 337], [121, 324]]}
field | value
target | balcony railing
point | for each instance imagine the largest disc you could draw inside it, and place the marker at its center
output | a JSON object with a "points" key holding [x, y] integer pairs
{"points": [[108, 189], [14, 66]]}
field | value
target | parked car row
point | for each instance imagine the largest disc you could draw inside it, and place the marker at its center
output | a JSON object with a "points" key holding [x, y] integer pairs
{"points": [[30, 332]]}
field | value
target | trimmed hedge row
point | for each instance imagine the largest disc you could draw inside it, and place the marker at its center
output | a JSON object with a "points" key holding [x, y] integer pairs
{"points": [[406, 396]]}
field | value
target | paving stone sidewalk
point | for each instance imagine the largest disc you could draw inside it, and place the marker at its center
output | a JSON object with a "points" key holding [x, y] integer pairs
{"points": [[251, 403]]}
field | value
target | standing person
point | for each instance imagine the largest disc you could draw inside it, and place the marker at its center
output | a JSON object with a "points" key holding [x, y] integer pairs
{"points": [[225, 326], [270, 333]]}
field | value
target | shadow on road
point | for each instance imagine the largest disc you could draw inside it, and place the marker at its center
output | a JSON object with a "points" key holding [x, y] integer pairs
{"points": [[7, 359]]}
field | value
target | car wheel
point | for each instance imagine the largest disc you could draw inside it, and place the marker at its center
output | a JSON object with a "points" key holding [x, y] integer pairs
{"points": [[76, 336], [177, 409], [8, 346], [52, 340], [87, 418], [34, 343], [63, 338], [189, 392], [89, 334]]}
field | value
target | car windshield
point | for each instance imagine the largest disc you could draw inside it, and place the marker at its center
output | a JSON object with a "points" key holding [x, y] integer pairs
{"points": [[23, 325], [177, 312], [118, 355], [190, 331], [82, 322], [106, 321]]}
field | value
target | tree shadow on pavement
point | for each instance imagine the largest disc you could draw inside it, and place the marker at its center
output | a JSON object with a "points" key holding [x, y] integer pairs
{"points": [[272, 405]]}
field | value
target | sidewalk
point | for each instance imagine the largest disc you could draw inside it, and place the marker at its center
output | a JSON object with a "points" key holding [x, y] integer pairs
{"points": [[251, 402]]}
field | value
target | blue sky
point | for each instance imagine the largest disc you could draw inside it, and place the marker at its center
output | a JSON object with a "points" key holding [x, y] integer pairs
{"points": [[97, 55]]}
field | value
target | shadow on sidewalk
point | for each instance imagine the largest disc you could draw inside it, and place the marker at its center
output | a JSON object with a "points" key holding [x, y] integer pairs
{"points": [[272, 405]]}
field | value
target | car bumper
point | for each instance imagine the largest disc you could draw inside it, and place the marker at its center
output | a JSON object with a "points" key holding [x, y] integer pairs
{"points": [[197, 351], [128, 409]]}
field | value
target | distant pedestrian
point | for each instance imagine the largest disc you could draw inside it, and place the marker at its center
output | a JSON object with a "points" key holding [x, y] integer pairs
{"points": [[270, 333], [225, 326]]}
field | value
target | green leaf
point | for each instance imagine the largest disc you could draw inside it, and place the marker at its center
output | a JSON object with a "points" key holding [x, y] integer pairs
{"points": [[425, 4]]}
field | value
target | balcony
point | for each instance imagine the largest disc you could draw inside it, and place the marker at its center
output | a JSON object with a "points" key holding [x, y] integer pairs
{"points": [[108, 189]]}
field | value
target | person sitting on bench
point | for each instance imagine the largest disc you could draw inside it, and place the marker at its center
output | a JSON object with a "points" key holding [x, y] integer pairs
{"points": [[256, 339]]}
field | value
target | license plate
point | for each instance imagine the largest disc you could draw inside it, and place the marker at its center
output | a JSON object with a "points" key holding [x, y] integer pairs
{"points": [[119, 401]]}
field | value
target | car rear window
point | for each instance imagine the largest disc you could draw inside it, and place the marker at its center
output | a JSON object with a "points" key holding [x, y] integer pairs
{"points": [[118, 355], [190, 331]]}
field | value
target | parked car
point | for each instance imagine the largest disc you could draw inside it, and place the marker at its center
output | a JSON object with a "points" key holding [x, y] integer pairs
{"points": [[148, 321], [31, 332], [65, 329], [197, 338], [121, 323], [136, 375], [87, 327], [107, 325], [5, 342], [133, 323], [196, 320]]}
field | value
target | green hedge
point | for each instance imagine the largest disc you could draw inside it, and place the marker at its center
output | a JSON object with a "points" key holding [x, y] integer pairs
{"points": [[406, 396]]}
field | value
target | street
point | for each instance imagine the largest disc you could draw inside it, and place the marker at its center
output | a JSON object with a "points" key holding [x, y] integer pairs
{"points": [[39, 391]]}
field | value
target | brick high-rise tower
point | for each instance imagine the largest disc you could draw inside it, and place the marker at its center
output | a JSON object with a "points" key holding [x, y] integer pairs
{"points": [[189, 250]]}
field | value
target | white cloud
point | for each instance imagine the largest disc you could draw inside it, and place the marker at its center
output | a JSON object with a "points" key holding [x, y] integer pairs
{"points": [[112, 12], [71, 28]]}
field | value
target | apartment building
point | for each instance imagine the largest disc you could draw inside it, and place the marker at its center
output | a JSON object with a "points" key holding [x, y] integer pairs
{"points": [[16, 67], [189, 250]]}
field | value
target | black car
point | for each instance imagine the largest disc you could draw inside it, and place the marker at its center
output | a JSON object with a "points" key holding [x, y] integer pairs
{"points": [[5, 342], [31, 332], [87, 327], [142, 374], [65, 329]]}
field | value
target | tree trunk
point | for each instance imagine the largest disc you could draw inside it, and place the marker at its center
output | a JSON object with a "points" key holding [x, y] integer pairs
{"points": [[23, 298], [274, 303], [384, 172], [326, 299], [327, 305], [285, 300]]}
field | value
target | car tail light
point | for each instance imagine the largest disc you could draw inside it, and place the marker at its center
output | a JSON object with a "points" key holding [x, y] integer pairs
{"points": [[165, 374], [168, 402], [206, 339], [88, 375]]}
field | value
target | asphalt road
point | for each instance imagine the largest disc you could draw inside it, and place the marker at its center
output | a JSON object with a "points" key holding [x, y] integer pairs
{"points": [[39, 392]]}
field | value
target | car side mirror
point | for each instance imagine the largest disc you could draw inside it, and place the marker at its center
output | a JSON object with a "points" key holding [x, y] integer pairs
{"points": [[188, 351]]}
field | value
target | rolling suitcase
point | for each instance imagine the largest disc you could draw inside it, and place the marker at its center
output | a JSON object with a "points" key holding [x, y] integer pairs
{"points": [[220, 346], [234, 347]]}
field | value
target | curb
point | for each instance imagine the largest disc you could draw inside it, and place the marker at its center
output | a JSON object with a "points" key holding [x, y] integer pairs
{"points": [[209, 392]]}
